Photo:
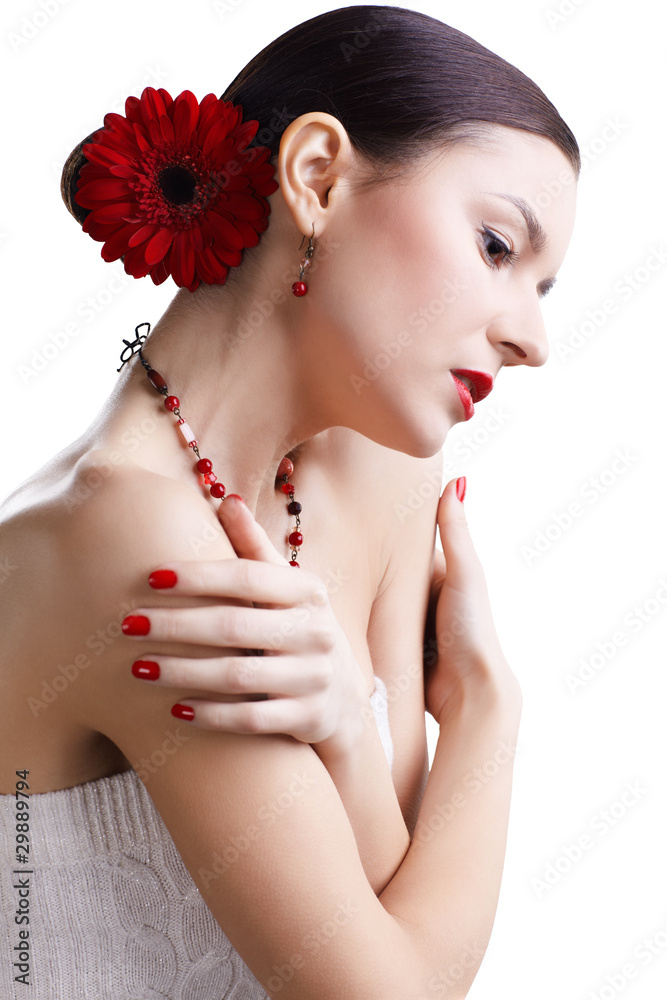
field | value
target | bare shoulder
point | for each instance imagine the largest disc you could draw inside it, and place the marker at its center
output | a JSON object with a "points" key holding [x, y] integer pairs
{"points": [[76, 554]]}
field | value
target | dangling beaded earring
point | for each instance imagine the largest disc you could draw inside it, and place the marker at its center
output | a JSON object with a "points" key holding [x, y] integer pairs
{"points": [[300, 287]]}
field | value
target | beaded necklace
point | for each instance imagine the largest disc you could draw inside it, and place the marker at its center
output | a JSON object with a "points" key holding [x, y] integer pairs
{"points": [[204, 466]]}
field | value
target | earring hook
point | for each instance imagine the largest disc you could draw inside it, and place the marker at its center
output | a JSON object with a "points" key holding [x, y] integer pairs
{"points": [[310, 238]]}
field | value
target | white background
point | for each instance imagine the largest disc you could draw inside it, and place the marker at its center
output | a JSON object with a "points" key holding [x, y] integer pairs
{"points": [[561, 428]]}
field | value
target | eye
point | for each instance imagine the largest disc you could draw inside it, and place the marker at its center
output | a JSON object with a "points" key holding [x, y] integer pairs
{"points": [[496, 250]]}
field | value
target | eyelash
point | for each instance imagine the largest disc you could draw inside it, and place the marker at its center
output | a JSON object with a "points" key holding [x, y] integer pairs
{"points": [[509, 256]]}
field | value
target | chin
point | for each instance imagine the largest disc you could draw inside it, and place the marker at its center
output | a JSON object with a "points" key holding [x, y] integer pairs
{"points": [[424, 441]]}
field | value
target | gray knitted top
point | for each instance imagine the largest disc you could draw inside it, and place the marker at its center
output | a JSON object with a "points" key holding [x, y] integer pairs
{"points": [[114, 913]]}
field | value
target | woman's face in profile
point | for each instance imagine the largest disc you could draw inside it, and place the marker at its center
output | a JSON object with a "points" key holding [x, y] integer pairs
{"points": [[458, 271]]}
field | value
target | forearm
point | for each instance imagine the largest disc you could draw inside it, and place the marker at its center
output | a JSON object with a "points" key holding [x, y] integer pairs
{"points": [[362, 777], [446, 891]]}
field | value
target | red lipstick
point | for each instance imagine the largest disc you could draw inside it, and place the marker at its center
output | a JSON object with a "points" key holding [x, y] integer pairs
{"points": [[481, 386]]}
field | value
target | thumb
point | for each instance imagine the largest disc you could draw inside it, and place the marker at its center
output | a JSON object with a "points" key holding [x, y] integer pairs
{"points": [[457, 546], [249, 539]]}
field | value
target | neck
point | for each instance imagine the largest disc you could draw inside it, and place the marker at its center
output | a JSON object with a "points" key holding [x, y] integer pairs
{"points": [[248, 387]]}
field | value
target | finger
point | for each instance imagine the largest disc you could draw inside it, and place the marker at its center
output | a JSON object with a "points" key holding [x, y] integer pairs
{"points": [[249, 538], [234, 675], [461, 560], [233, 627], [244, 579], [271, 715]]}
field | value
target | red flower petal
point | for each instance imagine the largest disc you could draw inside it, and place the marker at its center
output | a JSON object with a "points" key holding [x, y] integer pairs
{"points": [[115, 212], [182, 259], [217, 134], [133, 109], [100, 192], [104, 156], [223, 231], [196, 238], [232, 258], [117, 144], [119, 124], [246, 132], [166, 97], [93, 172], [142, 234], [158, 246], [120, 170], [167, 129], [209, 267], [232, 182], [186, 115], [160, 272], [264, 173], [135, 262], [155, 133], [142, 138], [208, 113], [99, 233], [152, 105], [117, 244], [270, 186], [92, 227], [235, 114], [249, 234], [220, 156], [244, 206]]}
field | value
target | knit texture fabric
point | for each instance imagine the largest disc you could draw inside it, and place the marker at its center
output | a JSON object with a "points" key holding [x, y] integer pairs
{"points": [[114, 912]]}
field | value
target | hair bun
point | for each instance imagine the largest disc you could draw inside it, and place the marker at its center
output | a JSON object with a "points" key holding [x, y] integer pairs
{"points": [[70, 178]]}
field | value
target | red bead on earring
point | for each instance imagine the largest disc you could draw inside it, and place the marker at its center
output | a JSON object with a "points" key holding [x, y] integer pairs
{"points": [[300, 287]]}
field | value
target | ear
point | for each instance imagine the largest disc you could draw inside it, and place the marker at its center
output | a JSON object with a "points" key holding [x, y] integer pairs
{"points": [[314, 157]]}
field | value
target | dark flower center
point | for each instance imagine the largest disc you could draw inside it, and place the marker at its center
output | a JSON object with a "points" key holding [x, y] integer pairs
{"points": [[177, 184]]}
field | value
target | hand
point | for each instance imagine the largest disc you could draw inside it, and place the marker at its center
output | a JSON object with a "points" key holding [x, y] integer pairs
{"points": [[314, 688], [461, 647]]}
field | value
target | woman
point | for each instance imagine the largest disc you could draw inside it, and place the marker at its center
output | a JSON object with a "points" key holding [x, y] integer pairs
{"points": [[287, 844]]}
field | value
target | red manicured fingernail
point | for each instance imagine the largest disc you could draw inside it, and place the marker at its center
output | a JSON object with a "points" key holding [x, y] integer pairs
{"points": [[236, 497], [136, 625], [183, 712], [146, 670], [162, 579], [461, 487]]}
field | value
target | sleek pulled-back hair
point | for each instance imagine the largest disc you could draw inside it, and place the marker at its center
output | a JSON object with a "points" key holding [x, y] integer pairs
{"points": [[400, 82]]}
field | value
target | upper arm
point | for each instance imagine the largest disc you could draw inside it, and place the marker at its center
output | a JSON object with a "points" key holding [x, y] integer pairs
{"points": [[256, 818], [398, 617]]}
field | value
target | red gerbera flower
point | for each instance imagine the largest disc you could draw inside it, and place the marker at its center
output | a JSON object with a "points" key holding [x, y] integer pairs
{"points": [[173, 188]]}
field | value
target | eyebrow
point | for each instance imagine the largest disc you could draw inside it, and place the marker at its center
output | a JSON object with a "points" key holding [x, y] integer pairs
{"points": [[536, 234]]}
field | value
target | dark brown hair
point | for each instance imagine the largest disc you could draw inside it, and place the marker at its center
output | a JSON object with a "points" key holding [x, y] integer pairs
{"points": [[399, 81]]}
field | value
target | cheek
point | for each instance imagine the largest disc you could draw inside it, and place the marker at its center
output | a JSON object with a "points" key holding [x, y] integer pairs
{"points": [[394, 271], [399, 292]]}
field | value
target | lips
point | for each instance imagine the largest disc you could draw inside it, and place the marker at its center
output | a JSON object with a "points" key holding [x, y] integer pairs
{"points": [[480, 386]]}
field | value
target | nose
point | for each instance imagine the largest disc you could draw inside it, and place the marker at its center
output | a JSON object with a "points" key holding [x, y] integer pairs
{"points": [[520, 334]]}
